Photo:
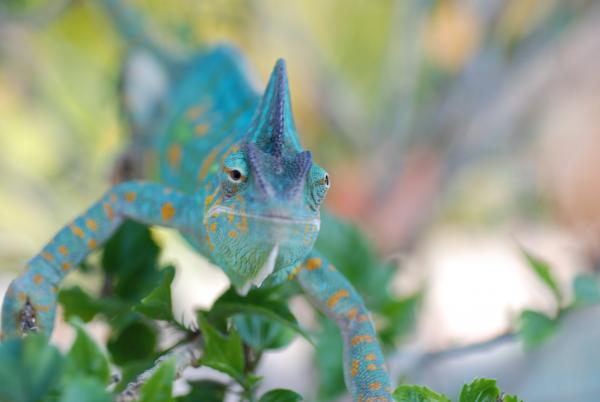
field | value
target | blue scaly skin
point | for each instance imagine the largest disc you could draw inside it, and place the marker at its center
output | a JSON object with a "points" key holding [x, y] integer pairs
{"points": [[229, 174]]}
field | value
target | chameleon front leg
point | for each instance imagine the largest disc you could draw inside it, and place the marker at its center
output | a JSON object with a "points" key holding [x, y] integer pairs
{"points": [[364, 367], [30, 301]]}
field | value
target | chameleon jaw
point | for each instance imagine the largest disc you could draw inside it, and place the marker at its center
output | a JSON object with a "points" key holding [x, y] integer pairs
{"points": [[221, 209], [263, 272]]}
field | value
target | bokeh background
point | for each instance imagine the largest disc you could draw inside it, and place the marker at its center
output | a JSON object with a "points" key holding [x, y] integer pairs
{"points": [[456, 132]]}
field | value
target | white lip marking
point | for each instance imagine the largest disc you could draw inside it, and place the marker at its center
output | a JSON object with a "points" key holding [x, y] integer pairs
{"points": [[218, 209], [263, 273]]}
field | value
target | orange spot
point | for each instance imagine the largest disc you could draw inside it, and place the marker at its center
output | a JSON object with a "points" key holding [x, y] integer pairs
{"points": [[213, 227], [374, 386], [294, 272], [208, 162], [361, 339], [313, 263], [77, 231], [41, 308], [211, 197], [47, 256], [91, 224], [232, 234], [113, 198], [230, 217], [195, 112], [371, 367], [63, 250], [335, 298], [66, 266], [37, 279], [130, 196], [109, 211], [354, 370], [352, 313], [211, 246], [243, 225], [167, 211], [363, 317], [371, 357], [201, 129], [174, 155], [22, 296], [92, 243]]}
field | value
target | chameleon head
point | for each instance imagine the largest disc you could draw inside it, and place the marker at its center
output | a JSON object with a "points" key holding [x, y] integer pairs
{"points": [[264, 216]]}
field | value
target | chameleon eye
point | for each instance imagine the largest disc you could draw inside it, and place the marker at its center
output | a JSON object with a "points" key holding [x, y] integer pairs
{"points": [[235, 175], [318, 185]]}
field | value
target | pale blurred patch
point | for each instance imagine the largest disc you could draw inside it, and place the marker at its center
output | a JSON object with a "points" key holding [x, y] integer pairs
{"points": [[452, 34], [477, 282]]}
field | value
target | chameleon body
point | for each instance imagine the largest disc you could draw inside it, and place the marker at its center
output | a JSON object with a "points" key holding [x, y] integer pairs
{"points": [[230, 175]]}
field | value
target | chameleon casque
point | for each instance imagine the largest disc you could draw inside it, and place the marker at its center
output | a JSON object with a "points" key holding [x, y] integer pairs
{"points": [[232, 178]]}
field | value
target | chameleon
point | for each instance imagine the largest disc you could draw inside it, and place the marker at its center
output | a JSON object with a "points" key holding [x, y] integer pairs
{"points": [[224, 166]]}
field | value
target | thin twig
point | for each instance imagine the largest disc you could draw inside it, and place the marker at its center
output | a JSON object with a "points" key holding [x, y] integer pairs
{"points": [[185, 356]]}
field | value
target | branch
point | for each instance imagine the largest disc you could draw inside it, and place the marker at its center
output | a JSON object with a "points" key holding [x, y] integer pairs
{"points": [[185, 355], [412, 361]]}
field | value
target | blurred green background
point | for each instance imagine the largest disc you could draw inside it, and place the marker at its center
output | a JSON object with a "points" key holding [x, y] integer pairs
{"points": [[453, 130]]}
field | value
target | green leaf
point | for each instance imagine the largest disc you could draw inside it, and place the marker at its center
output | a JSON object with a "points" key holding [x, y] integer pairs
{"points": [[535, 327], [159, 387], [205, 391], [86, 358], [585, 287], [130, 259], [261, 333], [85, 389], [29, 369], [400, 316], [258, 302], [157, 305], [543, 271], [480, 390], [353, 254], [221, 352], [510, 398], [137, 340], [415, 393], [329, 356], [78, 303], [281, 395]]}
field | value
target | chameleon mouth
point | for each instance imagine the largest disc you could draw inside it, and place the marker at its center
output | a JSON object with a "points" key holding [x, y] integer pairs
{"points": [[269, 217]]}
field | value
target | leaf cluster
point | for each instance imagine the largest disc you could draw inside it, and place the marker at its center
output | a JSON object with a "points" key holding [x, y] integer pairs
{"points": [[479, 390], [135, 301], [535, 327]]}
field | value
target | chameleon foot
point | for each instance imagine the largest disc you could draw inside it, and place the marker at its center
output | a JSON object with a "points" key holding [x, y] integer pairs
{"points": [[28, 318]]}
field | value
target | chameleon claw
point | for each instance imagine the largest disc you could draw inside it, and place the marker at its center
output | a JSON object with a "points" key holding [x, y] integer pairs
{"points": [[28, 318]]}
